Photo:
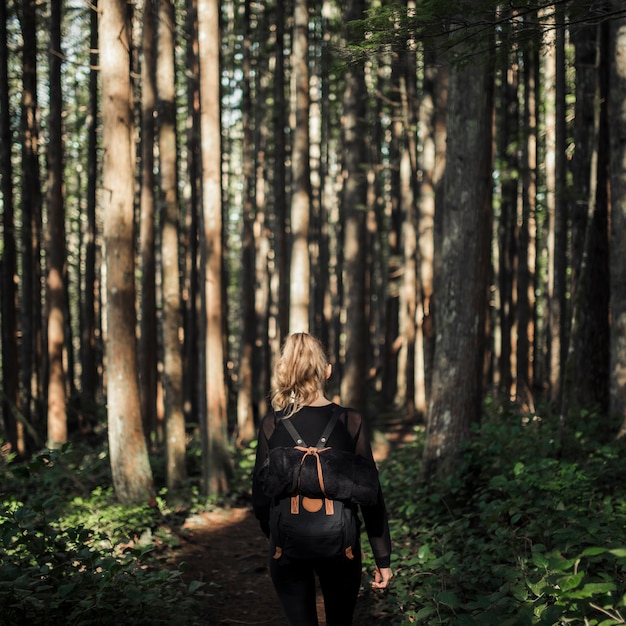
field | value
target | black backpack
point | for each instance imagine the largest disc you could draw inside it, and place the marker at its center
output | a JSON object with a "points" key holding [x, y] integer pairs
{"points": [[308, 526]]}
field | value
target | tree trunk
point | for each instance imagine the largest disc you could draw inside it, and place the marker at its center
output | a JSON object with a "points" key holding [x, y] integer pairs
{"points": [[55, 283], [31, 338], [8, 260], [595, 222], [215, 436], [245, 416], [89, 359], [192, 358], [415, 398], [394, 346], [299, 282], [432, 114], [170, 271], [556, 235], [617, 259], [132, 476], [589, 384], [558, 313], [354, 201], [527, 239], [506, 263], [463, 284], [280, 297], [148, 355]]}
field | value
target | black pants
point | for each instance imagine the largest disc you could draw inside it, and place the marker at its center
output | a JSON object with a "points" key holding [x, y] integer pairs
{"points": [[340, 581]]}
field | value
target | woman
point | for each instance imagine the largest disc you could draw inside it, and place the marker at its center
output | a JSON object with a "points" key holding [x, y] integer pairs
{"points": [[298, 386]]}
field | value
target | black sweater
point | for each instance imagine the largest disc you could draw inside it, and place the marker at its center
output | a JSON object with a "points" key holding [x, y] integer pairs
{"points": [[310, 422]]}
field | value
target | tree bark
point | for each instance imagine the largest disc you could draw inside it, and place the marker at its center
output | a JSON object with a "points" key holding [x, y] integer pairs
{"points": [[354, 203], [132, 475], [589, 384], [456, 398], [55, 282], [279, 311], [595, 223], [170, 270], [245, 416], [432, 115], [527, 239], [89, 359], [148, 355], [215, 436], [617, 259], [192, 358], [8, 260], [299, 282], [506, 262], [31, 335]]}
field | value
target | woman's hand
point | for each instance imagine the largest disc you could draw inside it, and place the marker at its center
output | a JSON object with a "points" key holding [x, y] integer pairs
{"points": [[382, 577]]}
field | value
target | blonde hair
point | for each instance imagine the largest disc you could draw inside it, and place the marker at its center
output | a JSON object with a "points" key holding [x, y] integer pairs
{"points": [[299, 374]]}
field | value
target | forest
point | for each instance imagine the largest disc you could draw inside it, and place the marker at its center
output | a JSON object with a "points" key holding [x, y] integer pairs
{"points": [[437, 190]]}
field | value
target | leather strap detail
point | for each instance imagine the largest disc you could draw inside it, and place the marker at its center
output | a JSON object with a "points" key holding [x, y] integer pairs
{"points": [[330, 506], [295, 505], [315, 452]]}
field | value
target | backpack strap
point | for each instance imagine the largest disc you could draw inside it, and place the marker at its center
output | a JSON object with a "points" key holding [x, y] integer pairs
{"points": [[291, 429], [334, 418], [295, 435]]}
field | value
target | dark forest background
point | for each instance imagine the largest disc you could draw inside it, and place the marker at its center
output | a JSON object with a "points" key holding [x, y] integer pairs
{"points": [[431, 190], [435, 189]]}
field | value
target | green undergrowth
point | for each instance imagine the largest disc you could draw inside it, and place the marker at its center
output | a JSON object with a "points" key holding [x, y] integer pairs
{"points": [[71, 554], [530, 530], [527, 532]]}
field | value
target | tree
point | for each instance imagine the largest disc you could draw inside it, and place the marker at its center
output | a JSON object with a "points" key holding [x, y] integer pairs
{"points": [[89, 359], [280, 292], [508, 126], [433, 109], [589, 340], [30, 279], [132, 475], [148, 354], [456, 394], [526, 274], [8, 260], [300, 279], [214, 424], [55, 282], [245, 415], [354, 202], [172, 312], [617, 259]]}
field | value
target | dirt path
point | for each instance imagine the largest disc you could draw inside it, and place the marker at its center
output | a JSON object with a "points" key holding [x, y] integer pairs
{"points": [[226, 550]]}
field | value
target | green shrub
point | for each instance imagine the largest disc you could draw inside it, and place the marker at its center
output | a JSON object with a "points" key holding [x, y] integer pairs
{"points": [[522, 535], [67, 559]]}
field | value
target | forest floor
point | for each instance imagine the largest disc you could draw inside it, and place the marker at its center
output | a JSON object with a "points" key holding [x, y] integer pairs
{"points": [[226, 550]]}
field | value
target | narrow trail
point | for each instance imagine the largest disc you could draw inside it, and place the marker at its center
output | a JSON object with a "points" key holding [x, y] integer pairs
{"points": [[226, 550]]}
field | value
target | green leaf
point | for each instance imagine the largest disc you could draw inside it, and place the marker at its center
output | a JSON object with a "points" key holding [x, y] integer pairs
{"points": [[449, 598], [593, 551], [566, 583], [194, 585], [425, 612], [619, 552], [424, 551], [537, 588]]}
